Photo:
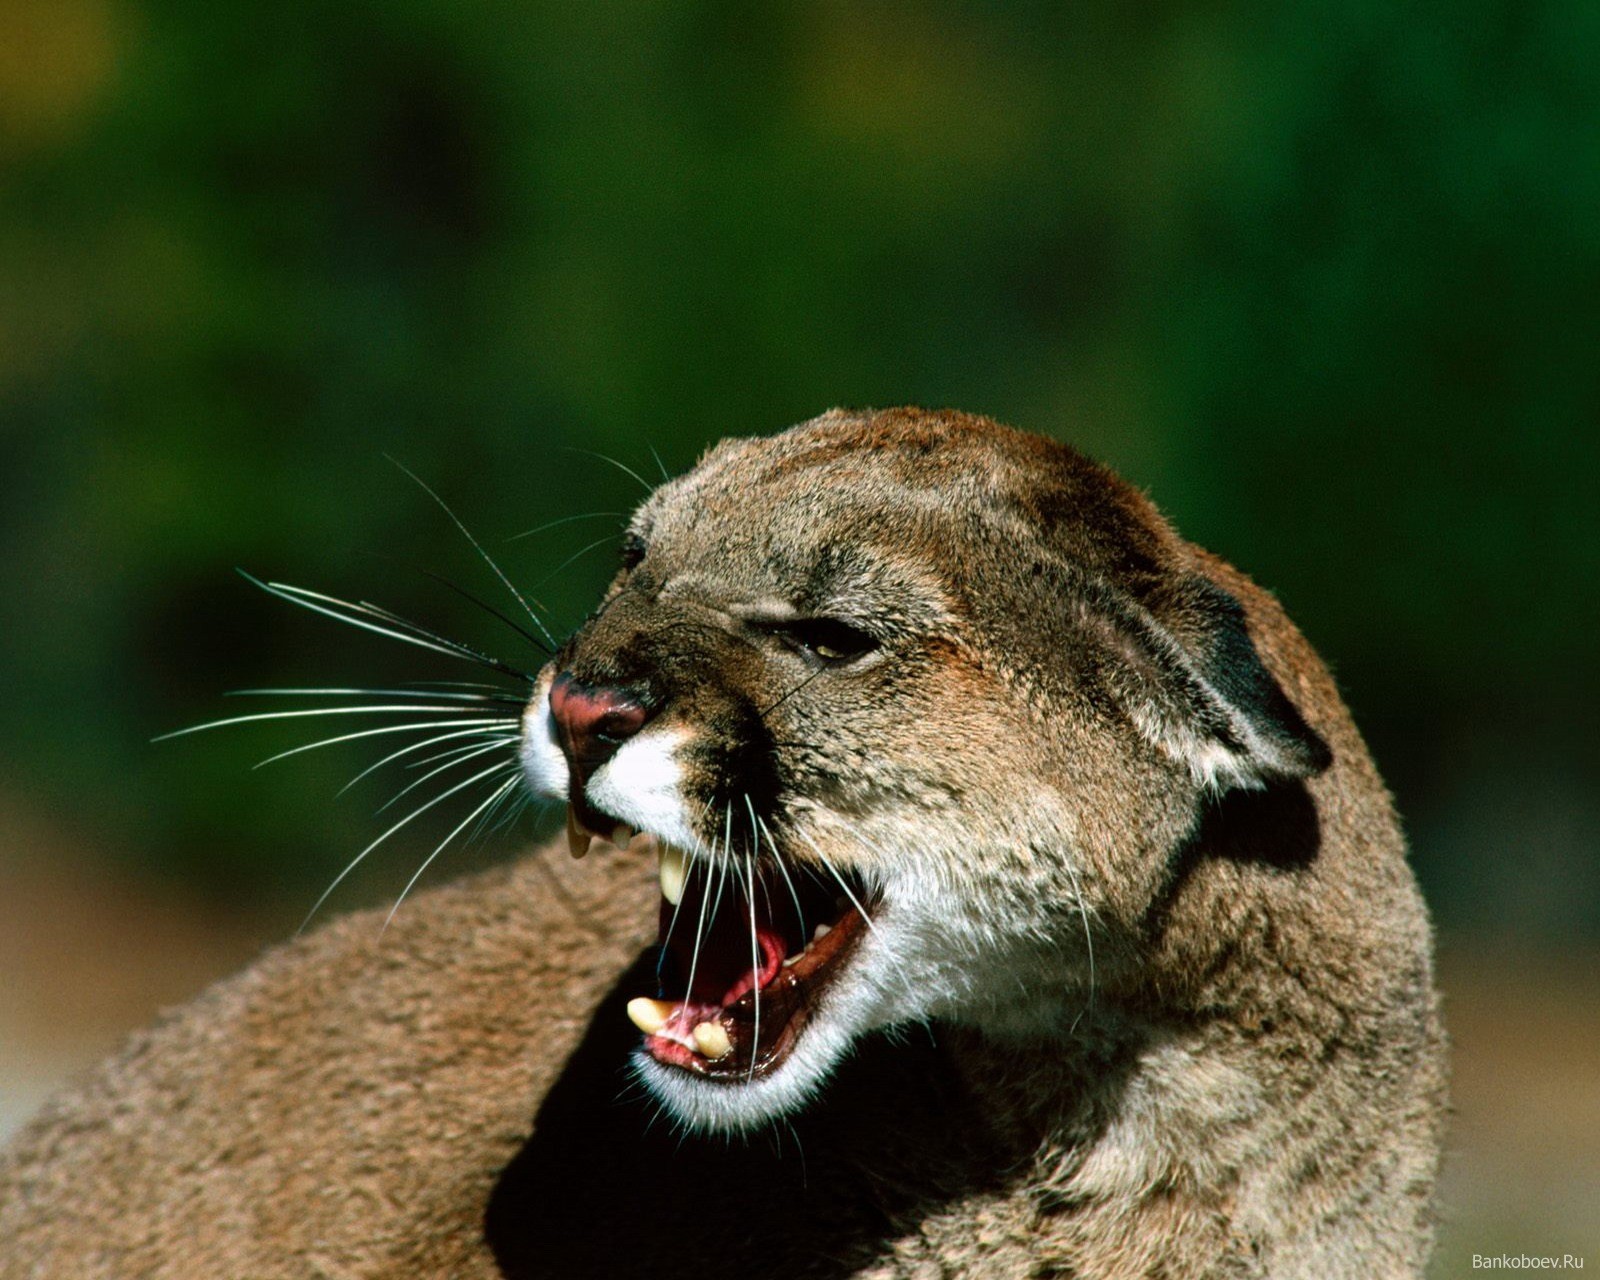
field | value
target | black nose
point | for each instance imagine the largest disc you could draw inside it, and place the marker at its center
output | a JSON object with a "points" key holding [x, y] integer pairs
{"points": [[592, 722]]}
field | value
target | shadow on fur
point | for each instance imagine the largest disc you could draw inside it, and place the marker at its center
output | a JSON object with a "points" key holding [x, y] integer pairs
{"points": [[603, 1188]]}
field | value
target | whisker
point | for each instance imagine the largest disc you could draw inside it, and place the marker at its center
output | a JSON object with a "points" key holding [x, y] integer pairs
{"points": [[598, 542], [765, 712], [620, 466], [1088, 938], [488, 608], [834, 872], [484, 739], [783, 870], [469, 752], [393, 618], [827, 862], [551, 524], [688, 876], [393, 625], [478, 547], [415, 813], [410, 634], [389, 728], [311, 711], [454, 684], [428, 861], [504, 698], [755, 952], [519, 800], [416, 746], [699, 933]]}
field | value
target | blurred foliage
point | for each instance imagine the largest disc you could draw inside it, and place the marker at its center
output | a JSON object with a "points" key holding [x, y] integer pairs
{"points": [[1323, 278]]}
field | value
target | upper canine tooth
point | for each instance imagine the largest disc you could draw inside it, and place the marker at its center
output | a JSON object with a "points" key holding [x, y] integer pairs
{"points": [[674, 871], [621, 835], [577, 838], [648, 1015]]}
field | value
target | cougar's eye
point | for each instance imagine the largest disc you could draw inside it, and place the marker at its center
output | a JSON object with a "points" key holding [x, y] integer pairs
{"points": [[633, 550], [826, 640]]}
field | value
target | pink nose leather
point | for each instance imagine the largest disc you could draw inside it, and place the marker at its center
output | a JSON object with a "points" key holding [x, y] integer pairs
{"points": [[592, 722]]}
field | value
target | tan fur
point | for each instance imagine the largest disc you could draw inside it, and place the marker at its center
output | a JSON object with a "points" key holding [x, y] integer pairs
{"points": [[1251, 1086]]}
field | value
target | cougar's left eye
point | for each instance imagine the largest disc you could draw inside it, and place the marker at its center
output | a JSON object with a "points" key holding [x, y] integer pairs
{"points": [[826, 640]]}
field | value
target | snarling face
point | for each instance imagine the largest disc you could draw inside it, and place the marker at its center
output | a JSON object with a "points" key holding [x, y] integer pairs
{"points": [[909, 709]]}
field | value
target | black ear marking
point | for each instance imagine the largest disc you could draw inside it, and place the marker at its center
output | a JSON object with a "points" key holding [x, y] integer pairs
{"points": [[1235, 671], [1198, 688]]}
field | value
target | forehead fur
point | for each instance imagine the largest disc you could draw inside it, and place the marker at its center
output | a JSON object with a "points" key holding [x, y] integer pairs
{"points": [[814, 502]]}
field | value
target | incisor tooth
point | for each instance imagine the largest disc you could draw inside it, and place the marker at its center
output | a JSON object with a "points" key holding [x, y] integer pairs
{"points": [[648, 1015], [674, 871], [821, 931], [577, 838], [712, 1040]]}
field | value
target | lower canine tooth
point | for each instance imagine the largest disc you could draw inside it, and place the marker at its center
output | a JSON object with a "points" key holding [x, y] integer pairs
{"points": [[649, 1015], [673, 873], [577, 838], [712, 1040]]}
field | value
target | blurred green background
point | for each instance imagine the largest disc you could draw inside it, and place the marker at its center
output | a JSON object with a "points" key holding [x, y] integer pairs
{"points": [[1323, 278]]}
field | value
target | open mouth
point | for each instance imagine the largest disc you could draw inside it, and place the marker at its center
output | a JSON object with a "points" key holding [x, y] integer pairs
{"points": [[746, 955]]}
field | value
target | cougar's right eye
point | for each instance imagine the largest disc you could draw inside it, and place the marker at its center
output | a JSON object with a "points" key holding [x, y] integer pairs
{"points": [[633, 549], [827, 640]]}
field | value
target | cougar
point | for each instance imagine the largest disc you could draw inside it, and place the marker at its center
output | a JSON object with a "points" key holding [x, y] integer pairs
{"points": [[981, 881]]}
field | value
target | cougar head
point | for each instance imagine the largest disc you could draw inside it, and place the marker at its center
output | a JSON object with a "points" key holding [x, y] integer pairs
{"points": [[914, 709]]}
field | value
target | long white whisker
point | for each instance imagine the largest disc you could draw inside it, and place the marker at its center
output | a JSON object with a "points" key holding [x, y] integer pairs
{"points": [[724, 861], [305, 599], [1088, 937], [428, 861], [388, 728], [755, 953], [827, 862], [699, 933], [551, 524], [506, 696], [415, 813], [484, 739], [582, 551], [478, 547], [518, 798], [313, 711], [620, 466], [777, 857], [417, 746], [454, 684], [834, 872], [471, 752]]}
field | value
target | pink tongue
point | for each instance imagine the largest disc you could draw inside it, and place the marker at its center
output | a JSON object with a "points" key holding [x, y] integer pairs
{"points": [[770, 953], [722, 972]]}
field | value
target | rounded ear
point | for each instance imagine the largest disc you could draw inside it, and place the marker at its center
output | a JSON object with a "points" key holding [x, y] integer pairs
{"points": [[1196, 687]]}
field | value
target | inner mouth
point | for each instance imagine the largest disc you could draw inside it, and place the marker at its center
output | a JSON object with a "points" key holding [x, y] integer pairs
{"points": [[745, 956]]}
